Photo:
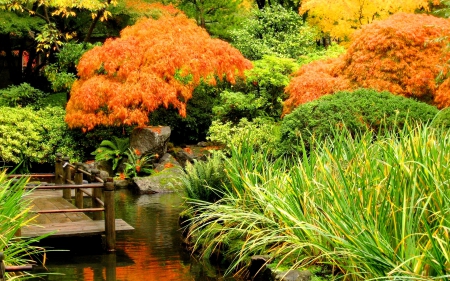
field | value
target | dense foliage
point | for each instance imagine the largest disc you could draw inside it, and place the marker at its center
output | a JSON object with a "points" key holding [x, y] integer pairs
{"points": [[216, 16], [366, 208], [402, 54], [261, 134], [194, 127], [154, 63], [274, 31], [442, 119], [340, 18], [62, 73], [260, 95], [30, 136], [21, 96], [359, 111], [201, 173]]}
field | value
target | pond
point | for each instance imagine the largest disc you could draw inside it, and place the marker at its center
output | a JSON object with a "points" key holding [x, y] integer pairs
{"points": [[153, 251]]}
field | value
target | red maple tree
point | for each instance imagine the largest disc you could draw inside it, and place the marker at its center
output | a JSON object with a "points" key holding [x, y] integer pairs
{"points": [[402, 54], [154, 62]]}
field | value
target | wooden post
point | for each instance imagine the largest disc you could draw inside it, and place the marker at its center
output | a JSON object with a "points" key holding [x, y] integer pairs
{"points": [[110, 220], [58, 169], [78, 179], [67, 194], [2, 267], [96, 193], [18, 234]]}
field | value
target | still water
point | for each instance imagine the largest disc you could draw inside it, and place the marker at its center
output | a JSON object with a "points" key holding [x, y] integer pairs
{"points": [[153, 251]]}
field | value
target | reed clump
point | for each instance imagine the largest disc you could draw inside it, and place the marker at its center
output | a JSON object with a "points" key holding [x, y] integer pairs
{"points": [[368, 208], [14, 210]]}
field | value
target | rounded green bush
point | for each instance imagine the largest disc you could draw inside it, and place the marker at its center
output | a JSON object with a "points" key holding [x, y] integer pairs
{"points": [[359, 111], [30, 136]]}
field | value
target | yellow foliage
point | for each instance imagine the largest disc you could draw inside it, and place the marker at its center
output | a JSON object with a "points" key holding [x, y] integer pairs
{"points": [[340, 18]]}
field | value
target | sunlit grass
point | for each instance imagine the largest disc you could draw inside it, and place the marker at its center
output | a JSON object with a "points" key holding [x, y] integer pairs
{"points": [[369, 208]]}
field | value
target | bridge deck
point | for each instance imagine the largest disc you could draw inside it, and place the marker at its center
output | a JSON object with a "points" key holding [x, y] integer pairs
{"points": [[63, 224]]}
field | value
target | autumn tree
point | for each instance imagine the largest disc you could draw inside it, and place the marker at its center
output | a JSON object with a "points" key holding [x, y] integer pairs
{"points": [[340, 18], [404, 54], [154, 62]]}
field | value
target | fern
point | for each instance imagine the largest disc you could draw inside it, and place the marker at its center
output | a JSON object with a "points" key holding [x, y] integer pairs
{"points": [[112, 150]]}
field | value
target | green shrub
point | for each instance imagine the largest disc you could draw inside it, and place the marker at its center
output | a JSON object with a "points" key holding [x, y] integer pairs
{"points": [[34, 136], [262, 93], [333, 51], [260, 134], [358, 111], [442, 119], [274, 31], [55, 100], [21, 95], [62, 73]]}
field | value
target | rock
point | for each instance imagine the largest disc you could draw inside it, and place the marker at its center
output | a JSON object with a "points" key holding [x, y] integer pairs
{"points": [[121, 183], [258, 270], [150, 140], [104, 175], [293, 275], [168, 180], [167, 161], [203, 144], [183, 157], [87, 167], [105, 166]]}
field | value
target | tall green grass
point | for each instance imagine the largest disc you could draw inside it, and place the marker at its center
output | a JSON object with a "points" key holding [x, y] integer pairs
{"points": [[370, 209], [13, 216]]}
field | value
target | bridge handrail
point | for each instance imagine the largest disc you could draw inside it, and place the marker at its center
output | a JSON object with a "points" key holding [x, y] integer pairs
{"points": [[63, 180]]}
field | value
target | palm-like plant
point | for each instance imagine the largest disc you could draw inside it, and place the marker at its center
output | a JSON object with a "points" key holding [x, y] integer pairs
{"points": [[112, 150]]}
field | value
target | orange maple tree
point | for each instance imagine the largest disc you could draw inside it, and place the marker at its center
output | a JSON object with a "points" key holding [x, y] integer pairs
{"points": [[154, 62], [403, 54]]}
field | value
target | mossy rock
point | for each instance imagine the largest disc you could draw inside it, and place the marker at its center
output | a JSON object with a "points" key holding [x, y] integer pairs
{"points": [[165, 181]]}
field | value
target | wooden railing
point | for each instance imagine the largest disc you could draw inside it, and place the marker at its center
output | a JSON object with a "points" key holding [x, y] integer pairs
{"points": [[64, 180]]}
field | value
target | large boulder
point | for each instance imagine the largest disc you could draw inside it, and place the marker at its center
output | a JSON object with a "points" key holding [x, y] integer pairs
{"points": [[150, 140]]}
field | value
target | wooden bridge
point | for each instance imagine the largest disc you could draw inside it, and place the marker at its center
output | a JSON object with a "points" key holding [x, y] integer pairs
{"points": [[60, 206]]}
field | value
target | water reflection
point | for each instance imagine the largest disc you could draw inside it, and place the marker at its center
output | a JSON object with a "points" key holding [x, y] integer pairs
{"points": [[151, 252]]}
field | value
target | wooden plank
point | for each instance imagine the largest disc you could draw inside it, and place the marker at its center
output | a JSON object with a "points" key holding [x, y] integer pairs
{"points": [[81, 228], [55, 203]]}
